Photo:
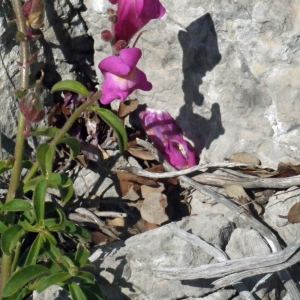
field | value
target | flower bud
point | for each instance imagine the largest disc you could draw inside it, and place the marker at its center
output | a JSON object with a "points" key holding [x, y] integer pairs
{"points": [[34, 12], [106, 35], [113, 19], [110, 12], [119, 45], [31, 108]]}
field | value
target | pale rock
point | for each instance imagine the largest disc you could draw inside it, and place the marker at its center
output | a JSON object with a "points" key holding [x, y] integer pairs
{"points": [[246, 243], [280, 205]]}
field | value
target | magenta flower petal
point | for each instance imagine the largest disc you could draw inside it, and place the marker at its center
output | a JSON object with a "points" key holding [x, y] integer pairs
{"points": [[132, 15], [130, 56], [119, 84], [114, 64], [168, 139], [149, 9]]}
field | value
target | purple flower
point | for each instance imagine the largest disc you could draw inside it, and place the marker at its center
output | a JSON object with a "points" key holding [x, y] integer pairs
{"points": [[132, 15], [121, 76], [165, 134]]}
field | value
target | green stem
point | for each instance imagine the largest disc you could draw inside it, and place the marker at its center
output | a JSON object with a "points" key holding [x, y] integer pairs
{"points": [[64, 130], [15, 175]]}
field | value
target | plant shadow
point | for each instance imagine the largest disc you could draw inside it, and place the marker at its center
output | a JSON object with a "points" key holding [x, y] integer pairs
{"points": [[200, 55]]}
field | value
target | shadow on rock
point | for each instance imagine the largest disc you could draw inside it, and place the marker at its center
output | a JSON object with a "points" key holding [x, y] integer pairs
{"points": [[200, 55]]}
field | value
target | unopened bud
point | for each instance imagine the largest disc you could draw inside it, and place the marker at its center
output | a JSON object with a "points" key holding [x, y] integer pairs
{"points": [[113, 19], [113, 1], [34, 12], [106, 35], [110, 11], [31, 108], [119, 45]]}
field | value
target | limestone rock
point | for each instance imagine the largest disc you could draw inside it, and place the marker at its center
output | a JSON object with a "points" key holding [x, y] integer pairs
{"points": [[227, 70], [279, 205], [245, 243]]}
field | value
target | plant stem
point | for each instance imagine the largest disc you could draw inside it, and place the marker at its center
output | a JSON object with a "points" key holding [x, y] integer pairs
{"points": [[64, 130], [16, 170]]}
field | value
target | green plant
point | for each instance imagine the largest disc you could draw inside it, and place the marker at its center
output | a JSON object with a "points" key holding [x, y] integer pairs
{"points": [[29, 226]]}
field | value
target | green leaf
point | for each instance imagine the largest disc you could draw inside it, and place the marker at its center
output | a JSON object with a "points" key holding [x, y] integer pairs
{"points": [[28, 227], [39, 195], [11, 237], [73, 143], [114, 122], [3, 227], [6, 164], [76, 292], [72, 228], [91, 291], [54, 279], [70, 85], [29, 186], [44, 156], [34, 251], [47, 131], [88, 277], [82, 255], [16, 205], [22, 277]]}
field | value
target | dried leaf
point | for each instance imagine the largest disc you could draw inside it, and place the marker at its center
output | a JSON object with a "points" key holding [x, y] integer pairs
{"points": [[153, 208], [148, 190], [141, 153], [131, 194], [120, 222], [239, 194], [127, 107], [294, 214], [244, 157]]}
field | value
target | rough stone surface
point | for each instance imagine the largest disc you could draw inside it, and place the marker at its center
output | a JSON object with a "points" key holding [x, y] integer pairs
{"points": [[229, 68], [279, 205], [127, 270], [245, 243]]}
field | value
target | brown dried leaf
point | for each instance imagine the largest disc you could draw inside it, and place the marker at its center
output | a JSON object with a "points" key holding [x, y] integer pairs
{"points": [[153, 208], [148, 190], [131, 195], [127, 107], [294, 214], [244, 157], [239, 194], [141, 153]]}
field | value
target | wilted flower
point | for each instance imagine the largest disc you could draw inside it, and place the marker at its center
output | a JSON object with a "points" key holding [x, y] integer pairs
{"points": [[166, 135], [132, 15], [34, 12], [121, 76], [32, 108]]}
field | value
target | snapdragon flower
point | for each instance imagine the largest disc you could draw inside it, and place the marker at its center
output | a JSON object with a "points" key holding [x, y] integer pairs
{"points": [[167, 137], [121, 76], [132, 15]]}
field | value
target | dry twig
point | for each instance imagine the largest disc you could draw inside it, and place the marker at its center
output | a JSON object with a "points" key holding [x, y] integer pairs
{"points": [[242, 213]]}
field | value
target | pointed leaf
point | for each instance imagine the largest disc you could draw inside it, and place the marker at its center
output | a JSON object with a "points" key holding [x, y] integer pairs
{"points": [[10, 238], [92, 291], [88, 277], [114, 122], [39, 201], [28, 227], [71, 85], [22, 277], [34, 251], [74, 145], [81, 256], [29, 186], [54, 279], [44, 156], [6, 164], [76, 292], [16, 205], [46, 131]]}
